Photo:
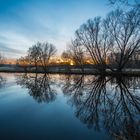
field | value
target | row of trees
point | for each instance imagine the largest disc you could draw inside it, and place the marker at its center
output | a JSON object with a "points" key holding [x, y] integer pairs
{"points": [[110, 42]]}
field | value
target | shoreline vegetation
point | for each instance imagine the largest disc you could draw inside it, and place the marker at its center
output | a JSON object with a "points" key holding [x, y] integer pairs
{"points": [[70, 70]]}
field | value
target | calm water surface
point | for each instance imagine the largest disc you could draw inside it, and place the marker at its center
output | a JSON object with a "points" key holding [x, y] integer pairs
{"points": [[74, 107]]}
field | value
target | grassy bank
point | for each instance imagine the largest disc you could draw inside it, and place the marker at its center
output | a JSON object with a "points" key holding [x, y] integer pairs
{"points": [[59, 70]]}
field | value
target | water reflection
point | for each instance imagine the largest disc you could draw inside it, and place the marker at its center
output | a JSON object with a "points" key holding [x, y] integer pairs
{"points": [[101, 103], [2, 81], [106, 102], [39, 86]]}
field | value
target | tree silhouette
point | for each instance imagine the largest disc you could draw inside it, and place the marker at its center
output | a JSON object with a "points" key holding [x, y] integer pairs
{"points": [[124, 31], [47, 51], [40, 54], [34, 53], [111, 42], [91, 38]]}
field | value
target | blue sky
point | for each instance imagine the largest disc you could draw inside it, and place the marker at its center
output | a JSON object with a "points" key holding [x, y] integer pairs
{"points": [[24, 22]]}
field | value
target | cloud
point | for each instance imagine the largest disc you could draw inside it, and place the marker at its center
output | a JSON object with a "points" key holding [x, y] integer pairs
{"points": [[23, 23], [10, 52]]}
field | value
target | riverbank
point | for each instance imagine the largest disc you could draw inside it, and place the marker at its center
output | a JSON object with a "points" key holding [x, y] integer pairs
{"points": [[59, 70]]}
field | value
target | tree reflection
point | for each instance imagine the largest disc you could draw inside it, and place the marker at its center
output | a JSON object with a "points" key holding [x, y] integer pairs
{"points": [[112, 103], [39, 86], [2, 81], [123, 116]]}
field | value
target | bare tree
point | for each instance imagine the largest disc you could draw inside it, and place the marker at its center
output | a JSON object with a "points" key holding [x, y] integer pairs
{"points": [[93, 38], [124, 32], [34, 54], [75, 54], [40, 54], [46, 52]]}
